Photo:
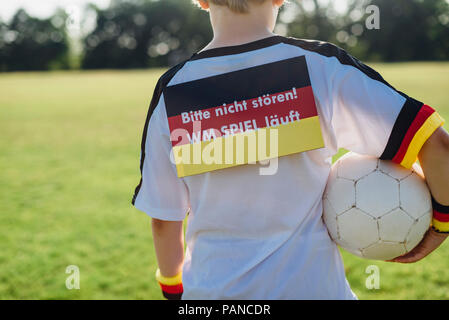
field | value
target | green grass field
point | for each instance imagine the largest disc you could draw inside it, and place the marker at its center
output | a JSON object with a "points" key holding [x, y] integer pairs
{"points": [[69, 159]]}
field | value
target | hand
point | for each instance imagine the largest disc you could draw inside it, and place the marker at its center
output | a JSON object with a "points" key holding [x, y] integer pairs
{"points": [[432, 240]]}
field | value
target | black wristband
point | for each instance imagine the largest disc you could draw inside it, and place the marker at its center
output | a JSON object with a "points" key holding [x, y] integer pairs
{"points": [[439, 207], [172, 296], [440, 221]]}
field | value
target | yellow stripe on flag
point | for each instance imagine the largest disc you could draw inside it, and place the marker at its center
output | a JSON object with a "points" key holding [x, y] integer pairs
{"points": [[249, 147]]}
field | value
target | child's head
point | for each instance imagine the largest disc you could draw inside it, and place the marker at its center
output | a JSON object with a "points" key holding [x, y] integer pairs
{"points": [[261, 10]]}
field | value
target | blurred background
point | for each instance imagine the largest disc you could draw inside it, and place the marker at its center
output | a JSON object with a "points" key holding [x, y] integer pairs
{"points": [[76, 77], [118, 34]]}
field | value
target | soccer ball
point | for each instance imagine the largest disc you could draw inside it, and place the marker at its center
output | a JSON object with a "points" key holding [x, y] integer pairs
{"points": [[376, 209]]}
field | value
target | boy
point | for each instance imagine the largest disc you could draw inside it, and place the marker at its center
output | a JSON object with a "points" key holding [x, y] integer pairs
{"points": [[253, 236]]}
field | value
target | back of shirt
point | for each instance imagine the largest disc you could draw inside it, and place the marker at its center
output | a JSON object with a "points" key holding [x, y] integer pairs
{"points": [[257, 236]]}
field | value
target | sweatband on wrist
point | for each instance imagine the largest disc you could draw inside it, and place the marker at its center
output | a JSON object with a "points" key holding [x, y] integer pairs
{"points": [[440, 220], [171, 286]]}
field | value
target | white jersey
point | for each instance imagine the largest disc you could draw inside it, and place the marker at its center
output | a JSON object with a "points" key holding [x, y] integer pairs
{"points": [[252, 236]]}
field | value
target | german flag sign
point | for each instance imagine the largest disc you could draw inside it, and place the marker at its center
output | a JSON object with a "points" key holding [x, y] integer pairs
{"points": [[242, 117]]}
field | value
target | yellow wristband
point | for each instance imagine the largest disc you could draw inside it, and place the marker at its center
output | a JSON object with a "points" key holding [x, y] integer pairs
{"points": [[168, 281]]}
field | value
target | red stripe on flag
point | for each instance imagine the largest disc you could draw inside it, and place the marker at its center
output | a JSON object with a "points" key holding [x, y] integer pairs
{"points": [[172, 289], [442, 217], [421, 117], [304, 105]]}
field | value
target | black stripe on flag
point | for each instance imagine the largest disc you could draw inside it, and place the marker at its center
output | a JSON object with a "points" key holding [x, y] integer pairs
{"points": [[237, 86]]}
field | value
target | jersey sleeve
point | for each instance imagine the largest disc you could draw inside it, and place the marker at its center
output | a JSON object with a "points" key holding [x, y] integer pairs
{"points": [[371, 117], [160, 193]]}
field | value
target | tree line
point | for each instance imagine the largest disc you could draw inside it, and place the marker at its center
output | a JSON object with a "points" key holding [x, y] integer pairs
{"points": [[149, 33]]}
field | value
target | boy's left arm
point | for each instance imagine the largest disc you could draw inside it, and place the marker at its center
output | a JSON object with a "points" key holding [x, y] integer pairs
{"points": [[434, 159]]}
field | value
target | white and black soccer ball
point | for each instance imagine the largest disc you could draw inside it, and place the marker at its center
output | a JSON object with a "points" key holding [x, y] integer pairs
{"points": [[376, 209]]}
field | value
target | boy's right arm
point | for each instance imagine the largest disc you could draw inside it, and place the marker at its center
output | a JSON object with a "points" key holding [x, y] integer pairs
{"points": [[434, 159], [371, 117], [168, 239]]}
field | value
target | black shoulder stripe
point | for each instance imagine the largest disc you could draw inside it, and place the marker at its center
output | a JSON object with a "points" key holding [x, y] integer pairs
{"points": [[161, 84], [408, 112], [330, 50], [323, 48]]}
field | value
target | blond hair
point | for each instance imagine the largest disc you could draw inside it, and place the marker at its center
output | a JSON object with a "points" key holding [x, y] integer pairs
{"points": [[238, 6]]}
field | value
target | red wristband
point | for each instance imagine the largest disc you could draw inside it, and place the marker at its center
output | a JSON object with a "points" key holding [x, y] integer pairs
{"points": [[172, 292]]}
